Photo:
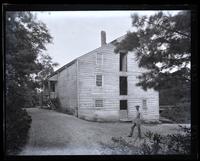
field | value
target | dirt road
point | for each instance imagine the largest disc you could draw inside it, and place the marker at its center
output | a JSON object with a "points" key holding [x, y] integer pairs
{"points": [[54, 133]]}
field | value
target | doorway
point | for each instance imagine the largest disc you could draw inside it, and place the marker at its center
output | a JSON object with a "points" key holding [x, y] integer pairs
{"points": [[123, 110]]}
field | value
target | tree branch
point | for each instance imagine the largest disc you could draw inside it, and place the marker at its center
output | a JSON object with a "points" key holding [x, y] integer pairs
{"points": [[180, 33]]}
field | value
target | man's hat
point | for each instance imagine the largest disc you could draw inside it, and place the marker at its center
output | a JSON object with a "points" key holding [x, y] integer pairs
{"points": [[137, 106]]}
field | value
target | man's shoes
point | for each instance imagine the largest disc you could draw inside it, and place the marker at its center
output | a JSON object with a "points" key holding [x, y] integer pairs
{"points": [[129, 135]]}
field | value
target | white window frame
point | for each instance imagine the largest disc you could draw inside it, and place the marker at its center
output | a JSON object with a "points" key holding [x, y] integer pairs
{"points": [[146, 106], [99, 100], [102, 80]]}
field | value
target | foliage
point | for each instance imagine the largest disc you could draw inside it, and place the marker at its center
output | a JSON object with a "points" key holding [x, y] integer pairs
{"points": [[161, 44], [179, 113], [151, 144], [56, 102], [69, 111], [180, 143], [154, 147], [171, 144], [35, 99], [119, 146], [17, 126], [175, 95], [47, 69], [25, 40]]}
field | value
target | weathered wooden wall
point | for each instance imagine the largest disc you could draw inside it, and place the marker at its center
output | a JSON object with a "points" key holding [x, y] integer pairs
{"points": [[66, 88], [109, 92], [88, 91], [136, 94], [76, 87]]}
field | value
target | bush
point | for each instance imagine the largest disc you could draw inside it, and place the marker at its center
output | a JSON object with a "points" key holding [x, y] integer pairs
{"points": [[56, 103], [119, 146], [170, 144], [154, 146], [179, 113], [69, 111], [17, 126], [17, 119], [180, 143]]}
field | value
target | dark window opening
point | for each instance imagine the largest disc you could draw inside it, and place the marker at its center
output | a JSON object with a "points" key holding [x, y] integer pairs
{"points": [[123, 62], [123, 104], [123, 86], [98, 103], [52, 86], [99, 80]]}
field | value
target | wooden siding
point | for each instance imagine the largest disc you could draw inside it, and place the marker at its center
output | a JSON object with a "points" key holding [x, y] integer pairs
{"points": [[77, 90], [89, 92], [109, 92], [66, 88], [137, 94]]}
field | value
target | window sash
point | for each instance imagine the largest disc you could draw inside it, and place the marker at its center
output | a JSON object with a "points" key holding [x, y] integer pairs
{"points": [[99, 80], [99, 103], [144, 104], [99, 59]]}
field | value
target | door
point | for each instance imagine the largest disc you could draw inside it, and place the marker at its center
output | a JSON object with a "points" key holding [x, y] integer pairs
{"points": [[123, 110]]}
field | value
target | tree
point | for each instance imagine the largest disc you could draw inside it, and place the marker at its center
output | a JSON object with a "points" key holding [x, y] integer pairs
{"points": [[161, 43], [47, 69], [25, 40]]}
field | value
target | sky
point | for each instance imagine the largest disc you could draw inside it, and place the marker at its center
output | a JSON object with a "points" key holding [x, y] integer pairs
{"points": [[78, 32]]}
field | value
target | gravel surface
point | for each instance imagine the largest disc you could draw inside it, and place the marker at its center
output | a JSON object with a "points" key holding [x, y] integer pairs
{"points": [[54, 133]]}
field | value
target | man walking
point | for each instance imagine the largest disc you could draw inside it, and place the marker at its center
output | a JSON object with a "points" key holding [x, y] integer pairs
{"points": [[136, 122]]}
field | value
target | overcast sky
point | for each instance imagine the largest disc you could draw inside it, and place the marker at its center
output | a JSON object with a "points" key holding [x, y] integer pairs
{"points": [[77, 32]]}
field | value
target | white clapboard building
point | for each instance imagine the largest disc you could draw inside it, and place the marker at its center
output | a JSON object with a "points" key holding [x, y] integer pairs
{"points": [[100, 86]]}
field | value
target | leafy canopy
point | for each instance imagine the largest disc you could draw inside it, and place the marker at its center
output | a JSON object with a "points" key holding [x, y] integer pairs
{"points": [[161, 43], [26, 40]]}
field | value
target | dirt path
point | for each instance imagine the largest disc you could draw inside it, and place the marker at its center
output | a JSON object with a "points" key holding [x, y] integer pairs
{"points": [[54, 133]]}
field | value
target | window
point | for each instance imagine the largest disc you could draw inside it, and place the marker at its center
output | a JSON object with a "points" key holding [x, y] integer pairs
{"points": [[99, 60], [99, 103], [52, 86], [123, 104], [144, 104], [99, 80], [123, 62], [123, 86]]}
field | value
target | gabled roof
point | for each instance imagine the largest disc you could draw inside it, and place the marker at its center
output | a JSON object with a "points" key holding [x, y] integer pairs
{"points": [[73, 61], [62, 68]]}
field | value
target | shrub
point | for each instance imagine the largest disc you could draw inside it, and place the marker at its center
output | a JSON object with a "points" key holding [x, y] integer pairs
{"points": [[180, 143], [17, 120], [17, 126], [70, 111], [119, 146], [154, 145], [56, 103], [179, 113], [170, 144]]}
